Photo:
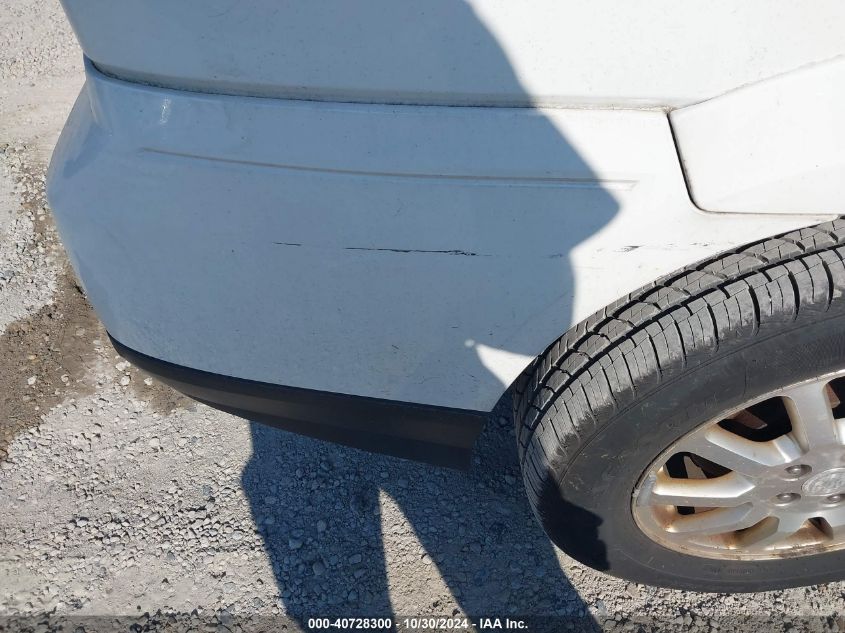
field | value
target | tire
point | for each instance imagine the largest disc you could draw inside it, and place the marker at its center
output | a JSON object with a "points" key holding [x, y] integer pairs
{"points": [[606, 399]]}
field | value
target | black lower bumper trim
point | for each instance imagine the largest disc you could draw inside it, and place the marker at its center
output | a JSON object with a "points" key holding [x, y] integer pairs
{"points": [[428, 433]]}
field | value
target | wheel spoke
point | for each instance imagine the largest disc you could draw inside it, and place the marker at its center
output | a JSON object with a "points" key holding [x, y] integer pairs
{"points": [[727, 491], [811, 416], [835, 517], [770, 531], [833, 523], [717, 521], [740, 454]]}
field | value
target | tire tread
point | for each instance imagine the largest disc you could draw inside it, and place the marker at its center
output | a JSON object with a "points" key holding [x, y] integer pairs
{"points": [[631, 346]]}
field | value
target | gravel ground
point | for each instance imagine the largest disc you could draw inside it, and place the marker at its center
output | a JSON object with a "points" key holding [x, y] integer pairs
{"points": [[121, 497]]}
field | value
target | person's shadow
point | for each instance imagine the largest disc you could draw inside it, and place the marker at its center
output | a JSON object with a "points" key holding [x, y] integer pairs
{"points": [[317, 505], [319, 509]]}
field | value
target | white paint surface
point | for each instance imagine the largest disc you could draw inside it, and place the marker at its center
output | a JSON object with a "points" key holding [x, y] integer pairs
{"points": [[775, 147], [479, 52], [357, 248]]}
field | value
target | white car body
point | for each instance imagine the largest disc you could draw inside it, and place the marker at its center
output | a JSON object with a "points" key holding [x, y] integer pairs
{"points": [[409, 201]]}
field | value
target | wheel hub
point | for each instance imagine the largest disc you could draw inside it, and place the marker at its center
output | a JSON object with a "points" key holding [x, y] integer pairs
{"points": [[830, 482], [763, 481]]}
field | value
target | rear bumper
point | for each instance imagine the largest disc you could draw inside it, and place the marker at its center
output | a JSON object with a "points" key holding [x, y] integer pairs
{"points": [[437, 435], [400, 254], [403, 253]]}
